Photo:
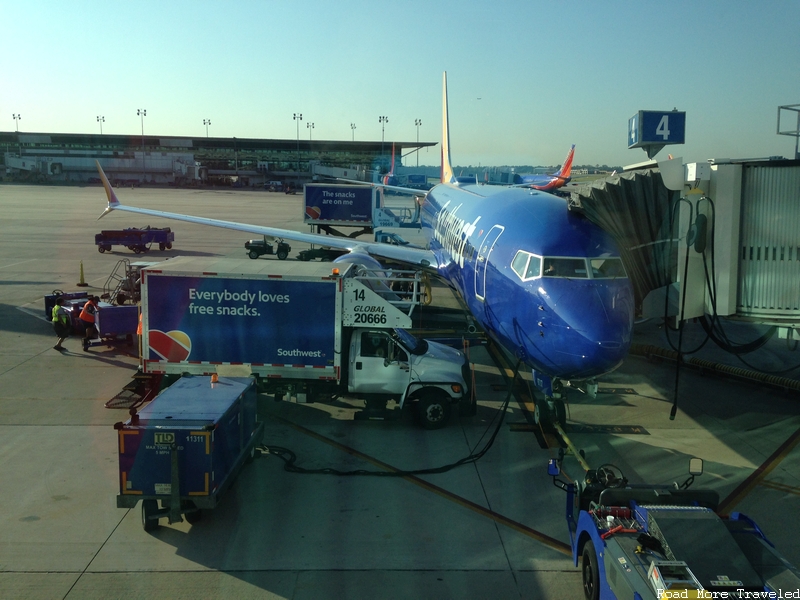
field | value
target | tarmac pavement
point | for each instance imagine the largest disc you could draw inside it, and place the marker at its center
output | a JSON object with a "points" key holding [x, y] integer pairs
{"points": [[490, 529]]}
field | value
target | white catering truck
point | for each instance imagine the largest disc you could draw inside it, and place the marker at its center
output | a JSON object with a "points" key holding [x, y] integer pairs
{"points": [[314, 331]]}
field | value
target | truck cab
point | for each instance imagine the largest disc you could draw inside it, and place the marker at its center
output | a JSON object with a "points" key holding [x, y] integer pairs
{"points": [[393, 364]]}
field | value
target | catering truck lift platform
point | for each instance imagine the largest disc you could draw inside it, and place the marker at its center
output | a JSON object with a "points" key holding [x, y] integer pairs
{"points": [[186, 447], [666, 541]]}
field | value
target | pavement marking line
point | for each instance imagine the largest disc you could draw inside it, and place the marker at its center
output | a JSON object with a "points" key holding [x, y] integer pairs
{"points": [[496, 517], [757, 476], [781, 487]]}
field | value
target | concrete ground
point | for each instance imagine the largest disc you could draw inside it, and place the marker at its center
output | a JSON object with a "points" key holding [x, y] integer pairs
{"points": [[491, 529]]}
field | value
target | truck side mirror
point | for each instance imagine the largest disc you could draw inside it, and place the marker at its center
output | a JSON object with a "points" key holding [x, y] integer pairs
{"points": [[695, 466], [552, 468]]}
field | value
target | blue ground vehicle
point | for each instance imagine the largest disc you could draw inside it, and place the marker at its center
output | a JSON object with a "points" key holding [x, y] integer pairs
{"points": [[138, 240], [666, 541]]}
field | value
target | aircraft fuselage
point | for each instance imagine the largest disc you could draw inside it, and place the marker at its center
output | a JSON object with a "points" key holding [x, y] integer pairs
{"points": [[572, 325]]}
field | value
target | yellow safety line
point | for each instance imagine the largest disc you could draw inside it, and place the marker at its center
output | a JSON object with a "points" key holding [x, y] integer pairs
{"points": [[781, 487], [757, 476], [477, 508]]}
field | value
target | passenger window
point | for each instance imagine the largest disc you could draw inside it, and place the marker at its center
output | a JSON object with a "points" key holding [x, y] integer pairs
{"points": [[374, 345]]}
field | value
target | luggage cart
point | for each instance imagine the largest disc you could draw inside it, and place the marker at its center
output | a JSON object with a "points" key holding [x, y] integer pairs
{"points": [[137, 240], [182, 451]]}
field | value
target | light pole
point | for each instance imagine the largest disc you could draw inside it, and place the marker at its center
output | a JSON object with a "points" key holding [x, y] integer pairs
{"points": [[310, 127], [101, 119], [142, 113], [382, 120], [206, 122], [353, 127], [16, 120], [417, 123], [297, 118]]}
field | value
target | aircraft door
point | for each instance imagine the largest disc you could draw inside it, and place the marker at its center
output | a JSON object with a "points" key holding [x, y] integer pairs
{"points": [[378, 365], [483, 258]]}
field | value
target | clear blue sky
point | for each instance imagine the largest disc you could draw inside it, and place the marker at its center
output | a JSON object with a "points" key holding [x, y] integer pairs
{"points": [[527, 78]]}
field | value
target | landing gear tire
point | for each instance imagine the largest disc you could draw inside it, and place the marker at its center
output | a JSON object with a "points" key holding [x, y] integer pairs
{"points": [[149, 508], [591, 575], [561, 411], [541, 413], [433, 411]]}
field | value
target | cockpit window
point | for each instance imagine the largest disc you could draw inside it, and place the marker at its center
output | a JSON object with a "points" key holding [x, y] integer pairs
{"points": [[534, 267], [526, 265], [529, 266], [607, 268], [573, 268]]}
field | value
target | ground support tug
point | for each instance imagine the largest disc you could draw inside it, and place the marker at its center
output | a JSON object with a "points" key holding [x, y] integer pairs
{"points": [[667, 541]]}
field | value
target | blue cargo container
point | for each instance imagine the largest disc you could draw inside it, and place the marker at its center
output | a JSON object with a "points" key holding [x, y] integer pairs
{"points": [[185, 448]]}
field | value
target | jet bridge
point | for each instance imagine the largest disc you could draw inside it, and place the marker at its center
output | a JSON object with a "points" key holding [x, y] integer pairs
{"points": [[717, 237]]}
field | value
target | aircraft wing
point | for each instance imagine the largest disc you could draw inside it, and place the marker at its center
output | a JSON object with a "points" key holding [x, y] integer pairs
{"points": [[414, 257], [395, 188]]}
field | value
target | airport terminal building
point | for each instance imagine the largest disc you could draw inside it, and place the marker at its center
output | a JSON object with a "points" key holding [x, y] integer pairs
{"points": [[192, 161]]}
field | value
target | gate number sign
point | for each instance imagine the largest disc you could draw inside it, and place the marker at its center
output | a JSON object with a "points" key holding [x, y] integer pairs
{"points": [[653, 127]]}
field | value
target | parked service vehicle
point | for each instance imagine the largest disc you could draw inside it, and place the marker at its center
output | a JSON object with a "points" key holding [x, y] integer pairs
{"points": [[137, 240], [309, 330], [666, 541], [256, 248], [185, 448]]}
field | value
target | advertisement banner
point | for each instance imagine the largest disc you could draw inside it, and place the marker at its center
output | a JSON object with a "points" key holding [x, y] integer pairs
{"points": [[269, 321], [338, 204]]}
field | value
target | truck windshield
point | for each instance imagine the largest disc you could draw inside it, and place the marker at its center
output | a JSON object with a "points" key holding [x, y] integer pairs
{"points": [[409, 342]]}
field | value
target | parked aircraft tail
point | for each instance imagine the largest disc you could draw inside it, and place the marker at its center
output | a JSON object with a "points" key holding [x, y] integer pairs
{"points": [[447, 169], [566, 168]]}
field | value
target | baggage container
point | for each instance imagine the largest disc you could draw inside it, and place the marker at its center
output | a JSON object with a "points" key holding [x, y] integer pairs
{"points": [[185, 448]]}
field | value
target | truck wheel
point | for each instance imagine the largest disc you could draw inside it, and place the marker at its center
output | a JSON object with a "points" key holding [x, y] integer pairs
{"points": [[282, 254], [192, 513], [253, 254], [591, 575], [162, 246], [100, 249], [137, 249], [433, 410], [149, 508], [169, 245]]}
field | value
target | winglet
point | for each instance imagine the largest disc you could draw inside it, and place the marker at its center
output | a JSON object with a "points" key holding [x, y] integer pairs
{"points": [[447, 169], [113, 202]]}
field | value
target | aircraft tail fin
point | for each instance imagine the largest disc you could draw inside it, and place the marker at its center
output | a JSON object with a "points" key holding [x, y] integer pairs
{"points": [[447, 169], [566, 168], [113, 201]]}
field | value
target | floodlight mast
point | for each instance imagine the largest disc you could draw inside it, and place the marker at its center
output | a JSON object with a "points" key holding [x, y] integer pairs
{"points": [[796, 132]]}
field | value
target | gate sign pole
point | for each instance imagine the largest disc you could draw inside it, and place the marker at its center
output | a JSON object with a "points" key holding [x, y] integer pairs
{"points": [[653, 129]]}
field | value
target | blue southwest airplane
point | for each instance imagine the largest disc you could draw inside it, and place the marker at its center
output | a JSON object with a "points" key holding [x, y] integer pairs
{"points": [[546, 183], [545, 283]]}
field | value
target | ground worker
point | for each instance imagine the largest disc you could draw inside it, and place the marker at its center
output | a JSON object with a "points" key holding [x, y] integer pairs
{"points": [[88, 318], [61, 323]]}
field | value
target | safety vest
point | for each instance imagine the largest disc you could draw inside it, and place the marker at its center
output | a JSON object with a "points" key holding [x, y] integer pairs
{"points": [[88, 312], [59, 317]]}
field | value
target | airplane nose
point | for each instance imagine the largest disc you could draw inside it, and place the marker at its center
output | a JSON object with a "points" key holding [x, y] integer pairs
{"points": [[591, 332]]}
